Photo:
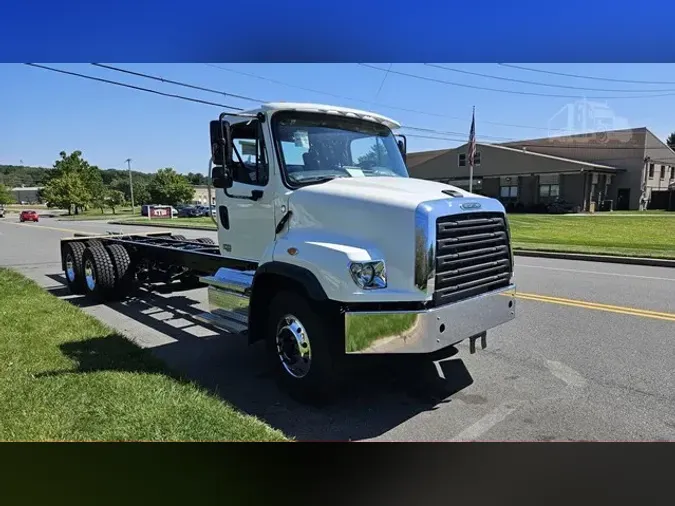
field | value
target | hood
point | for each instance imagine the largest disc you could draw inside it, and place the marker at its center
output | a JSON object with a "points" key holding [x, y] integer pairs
{"points": [[376, 217], [389, 191]]}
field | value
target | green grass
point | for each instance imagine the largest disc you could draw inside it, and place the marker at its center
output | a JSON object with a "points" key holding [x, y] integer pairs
{"points": [[65, 376], [198, 222], [107, 214], [644, 235], [367, 329]]}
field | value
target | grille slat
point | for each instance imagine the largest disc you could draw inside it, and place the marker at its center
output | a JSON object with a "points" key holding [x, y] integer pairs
{"points": [[472, 256]]}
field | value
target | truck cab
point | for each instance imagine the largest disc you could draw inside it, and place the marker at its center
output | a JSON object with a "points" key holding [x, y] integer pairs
{"points": [[320, 199]]}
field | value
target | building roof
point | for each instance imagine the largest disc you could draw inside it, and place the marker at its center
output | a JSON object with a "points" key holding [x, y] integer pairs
{"points": [[27, 188], [328, 109], [420, 157]]}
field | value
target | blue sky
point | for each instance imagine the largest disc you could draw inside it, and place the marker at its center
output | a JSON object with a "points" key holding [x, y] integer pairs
{"points": [[44, 113]]}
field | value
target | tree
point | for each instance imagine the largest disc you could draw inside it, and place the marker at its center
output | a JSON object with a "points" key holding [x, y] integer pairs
{"points": [[74, 183], [115, 199], [67, 191], [5, 195], [169, 188], [671, 141]]}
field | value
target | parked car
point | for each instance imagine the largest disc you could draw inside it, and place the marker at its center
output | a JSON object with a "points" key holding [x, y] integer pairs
{"points": [[188, 212], [29, 216]]}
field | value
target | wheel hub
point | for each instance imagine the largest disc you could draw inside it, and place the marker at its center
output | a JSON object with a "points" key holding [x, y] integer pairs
{"points": [[89, 275], [70, 268], [293, 346]]}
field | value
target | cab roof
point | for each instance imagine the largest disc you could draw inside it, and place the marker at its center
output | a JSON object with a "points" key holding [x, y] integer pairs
{"points": [[328, 109]]}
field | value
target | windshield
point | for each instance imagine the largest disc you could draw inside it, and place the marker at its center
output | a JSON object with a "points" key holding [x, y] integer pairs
{"points": [[314, 148]]}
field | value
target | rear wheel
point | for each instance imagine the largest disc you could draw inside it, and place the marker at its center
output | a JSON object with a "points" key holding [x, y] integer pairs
{"points": [[99, 273], [304, 347], [94, 242], [124, 274], [72, 255]]}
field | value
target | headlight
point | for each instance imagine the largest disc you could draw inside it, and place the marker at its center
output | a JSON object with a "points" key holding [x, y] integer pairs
{"points": [[369, 275]]}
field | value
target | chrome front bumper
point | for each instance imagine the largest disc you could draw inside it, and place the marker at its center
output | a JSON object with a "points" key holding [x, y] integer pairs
{"points": [[430, 330]]}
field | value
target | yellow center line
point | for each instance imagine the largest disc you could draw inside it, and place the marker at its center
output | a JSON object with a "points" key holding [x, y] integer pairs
{"points": [[596, 304], [598, 307]]}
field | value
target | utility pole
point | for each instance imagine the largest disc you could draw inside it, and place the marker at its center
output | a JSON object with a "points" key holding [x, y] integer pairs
{"points": [[131, 186]]}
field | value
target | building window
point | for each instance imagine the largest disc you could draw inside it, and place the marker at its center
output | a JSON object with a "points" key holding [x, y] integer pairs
{"points": [[672, 173], [651, 170], [508, 192], [663, 171], [549, 186], [462, 160], [549, 190]]}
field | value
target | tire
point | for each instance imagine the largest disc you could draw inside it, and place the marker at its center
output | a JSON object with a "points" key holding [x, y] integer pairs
{"points": [[179, 237], [205, 240], [94, 243], [99, 273], [316, 381], [72, 255], [124, 274]]}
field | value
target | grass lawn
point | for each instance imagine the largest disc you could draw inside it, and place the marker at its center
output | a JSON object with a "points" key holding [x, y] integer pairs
{"points": [[650, 234], [96, 214], [65, 376], [644, 235]]}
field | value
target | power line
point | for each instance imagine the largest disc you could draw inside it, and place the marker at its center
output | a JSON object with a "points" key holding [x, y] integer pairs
{"points": [[536, 83], [579, 76], [177, 83], [220, 92], [131, 86], [384, 106], [513, 92]]}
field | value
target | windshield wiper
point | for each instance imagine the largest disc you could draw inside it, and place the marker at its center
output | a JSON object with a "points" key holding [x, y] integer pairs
{"points": [[316, 179]]}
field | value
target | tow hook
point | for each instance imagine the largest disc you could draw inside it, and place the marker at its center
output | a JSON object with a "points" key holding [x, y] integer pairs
{"points": [[472, 342]]}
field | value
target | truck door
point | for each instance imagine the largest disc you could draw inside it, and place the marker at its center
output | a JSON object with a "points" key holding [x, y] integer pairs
{"points": [[247, 226]]}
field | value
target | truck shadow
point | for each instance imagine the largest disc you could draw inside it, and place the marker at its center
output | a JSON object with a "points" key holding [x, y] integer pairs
{"points": [[382, 394]]}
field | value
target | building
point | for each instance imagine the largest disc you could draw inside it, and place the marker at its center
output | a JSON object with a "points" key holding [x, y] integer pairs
{"points": [[201, 195], [601, 170], [27, 194]]}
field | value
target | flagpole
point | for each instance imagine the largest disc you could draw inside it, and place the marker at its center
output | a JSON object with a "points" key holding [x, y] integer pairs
{"points": [[472, 142]]}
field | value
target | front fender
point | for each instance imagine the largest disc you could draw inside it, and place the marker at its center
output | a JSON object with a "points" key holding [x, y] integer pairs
{"points": [[328, 257]]}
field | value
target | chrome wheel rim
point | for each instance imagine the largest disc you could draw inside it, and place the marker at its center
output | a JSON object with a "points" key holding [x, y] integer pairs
{"points": [[89, 275], [293, 347], [70, 268]]}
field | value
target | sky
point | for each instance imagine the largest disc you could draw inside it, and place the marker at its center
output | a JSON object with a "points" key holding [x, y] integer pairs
{"points": [[43, 113]]}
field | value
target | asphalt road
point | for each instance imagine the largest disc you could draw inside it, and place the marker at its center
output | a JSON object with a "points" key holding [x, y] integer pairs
{"points": [[590, 356]]}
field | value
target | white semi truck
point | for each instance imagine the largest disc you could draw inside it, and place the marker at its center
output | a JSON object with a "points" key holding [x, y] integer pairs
{"points": [[326, 247]]}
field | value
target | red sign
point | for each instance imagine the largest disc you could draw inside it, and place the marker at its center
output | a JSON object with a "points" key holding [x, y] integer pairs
{"points": [[160, 212]]}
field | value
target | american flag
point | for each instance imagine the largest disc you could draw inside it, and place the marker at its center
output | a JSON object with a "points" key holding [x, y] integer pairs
{"points": [[472, 139]]}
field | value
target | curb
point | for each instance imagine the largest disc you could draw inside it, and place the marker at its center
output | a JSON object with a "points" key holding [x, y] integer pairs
{"points": [[652, 262], [162, 225]]}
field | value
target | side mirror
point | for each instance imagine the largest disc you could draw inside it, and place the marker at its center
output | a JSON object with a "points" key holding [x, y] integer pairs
{"points": [[221, 177], [221, 143], [403, 146]]}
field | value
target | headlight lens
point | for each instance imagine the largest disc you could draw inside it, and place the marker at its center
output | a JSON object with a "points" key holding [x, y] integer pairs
{"points": [[369, 275]]}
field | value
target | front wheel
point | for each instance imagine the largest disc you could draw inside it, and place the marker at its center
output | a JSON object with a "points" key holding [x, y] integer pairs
{"points": [[305, 348]]}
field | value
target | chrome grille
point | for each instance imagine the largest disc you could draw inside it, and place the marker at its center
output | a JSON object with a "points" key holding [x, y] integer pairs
{"points": [[473, 256]]}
